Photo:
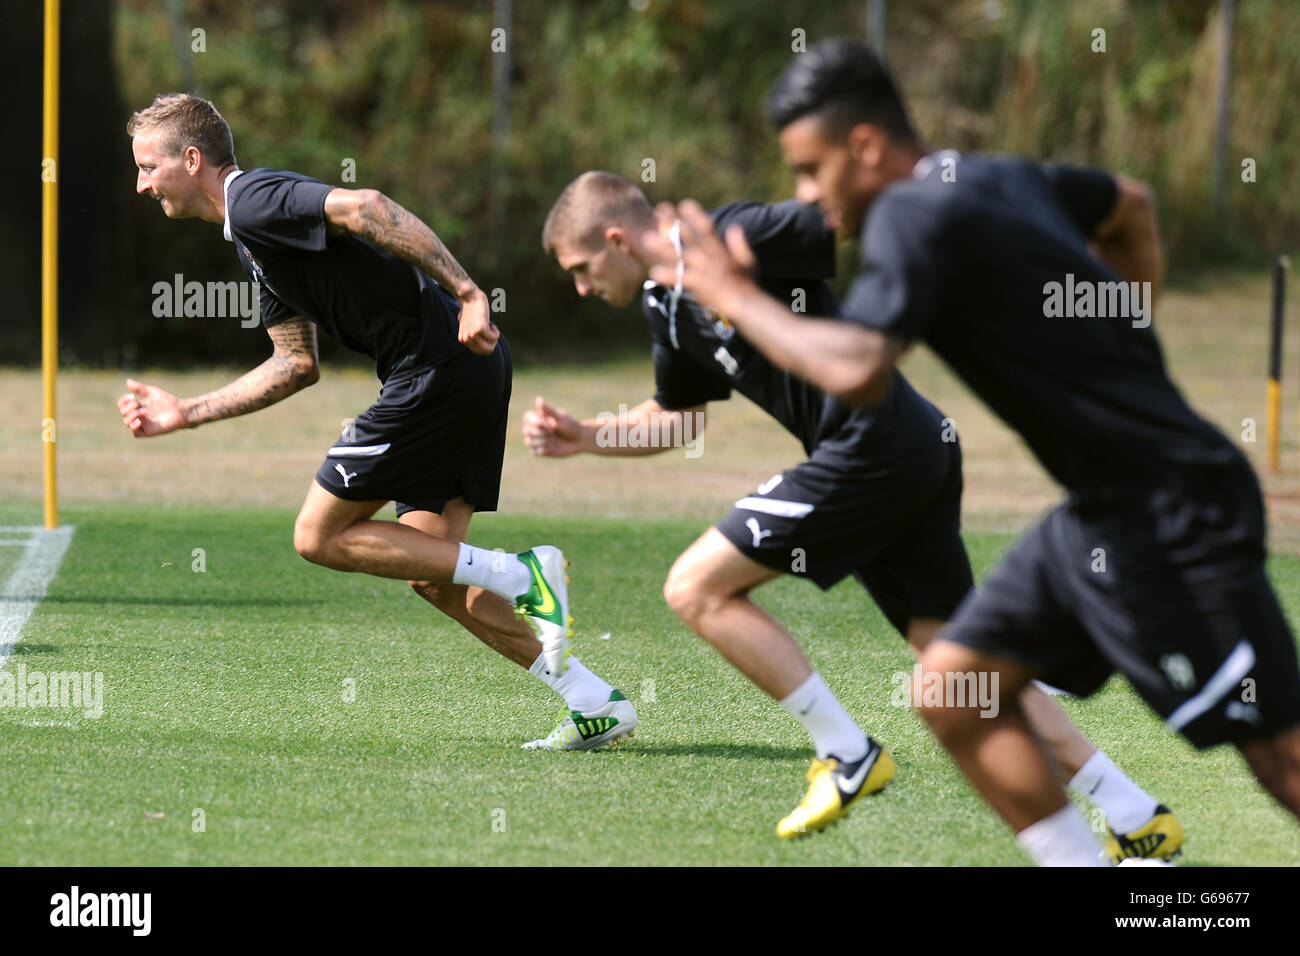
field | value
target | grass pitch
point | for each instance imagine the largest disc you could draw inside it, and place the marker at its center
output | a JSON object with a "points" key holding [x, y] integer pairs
{"points": [[225, 703]]}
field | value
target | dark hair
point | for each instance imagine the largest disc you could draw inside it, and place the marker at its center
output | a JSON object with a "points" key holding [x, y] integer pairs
{"points": [[843, 83]]}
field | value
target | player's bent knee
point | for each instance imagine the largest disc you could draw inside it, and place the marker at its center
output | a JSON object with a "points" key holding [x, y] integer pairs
{"points": [[921, 631], [941, 656], [309, 543], [688, 600], [947, 720], [948, 723], [677, 592]]}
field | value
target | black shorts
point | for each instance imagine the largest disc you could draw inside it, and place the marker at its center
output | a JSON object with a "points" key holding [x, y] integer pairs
{"points": [[1166, 586], [435, 434], [894, 524]]}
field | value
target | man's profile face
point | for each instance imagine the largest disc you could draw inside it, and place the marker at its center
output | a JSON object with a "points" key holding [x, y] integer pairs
{"points": [[828, 174], [608, 271], [169, 179]]}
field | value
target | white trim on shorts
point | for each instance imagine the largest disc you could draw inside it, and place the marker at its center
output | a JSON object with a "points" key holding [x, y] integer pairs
{"points": [[775, 506], [1229, 675], [357, 451]]}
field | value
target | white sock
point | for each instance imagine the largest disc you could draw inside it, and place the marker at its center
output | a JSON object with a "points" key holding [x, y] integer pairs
{"points": [[496, 571], [581, 689], [1127, 805], [831, 728], [1062, 839]]}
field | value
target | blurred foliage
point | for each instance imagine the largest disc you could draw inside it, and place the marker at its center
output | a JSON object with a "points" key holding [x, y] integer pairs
{"points": [[404, 88]]}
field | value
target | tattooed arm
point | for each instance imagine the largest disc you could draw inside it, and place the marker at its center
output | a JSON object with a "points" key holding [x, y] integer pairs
{"points": [[148, 410], [1128, 240], [371, 215]]}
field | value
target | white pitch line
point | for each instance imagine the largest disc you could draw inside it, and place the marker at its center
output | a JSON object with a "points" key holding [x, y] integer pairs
{"points": [[30, 581]]}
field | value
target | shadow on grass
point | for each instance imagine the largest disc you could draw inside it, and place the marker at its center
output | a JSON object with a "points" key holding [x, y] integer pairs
{"points": [[728, 751], [18, 649], [174, 601]]}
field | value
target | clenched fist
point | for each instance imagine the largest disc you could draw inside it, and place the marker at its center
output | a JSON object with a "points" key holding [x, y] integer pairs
{"points": [[147, 410], [551, 432]]}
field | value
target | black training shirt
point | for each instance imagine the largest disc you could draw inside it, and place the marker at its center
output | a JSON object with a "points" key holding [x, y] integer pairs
{"points": [[966, 257], [363, 296], [700, 357]]}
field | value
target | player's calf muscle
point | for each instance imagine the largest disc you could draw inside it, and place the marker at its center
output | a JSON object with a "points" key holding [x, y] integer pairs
{"points": [[447, 598]]}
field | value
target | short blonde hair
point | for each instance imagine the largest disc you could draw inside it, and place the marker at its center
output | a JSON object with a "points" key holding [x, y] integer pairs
{"points": [[591, 203], [186, 121]]}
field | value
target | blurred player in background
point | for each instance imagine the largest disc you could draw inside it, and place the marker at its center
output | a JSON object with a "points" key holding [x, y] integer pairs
{"points": [[878, 498], [966, 253]]}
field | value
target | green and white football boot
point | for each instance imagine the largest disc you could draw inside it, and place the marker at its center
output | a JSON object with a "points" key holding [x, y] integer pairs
{"points": [[608, 726]]}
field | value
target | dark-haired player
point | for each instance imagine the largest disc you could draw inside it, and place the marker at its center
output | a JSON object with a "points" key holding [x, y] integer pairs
{"points": [[377, 279], [879, 496], [968, 254]]}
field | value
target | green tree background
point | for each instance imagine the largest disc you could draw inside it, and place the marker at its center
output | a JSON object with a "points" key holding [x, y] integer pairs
{"points": [[404, 88]]}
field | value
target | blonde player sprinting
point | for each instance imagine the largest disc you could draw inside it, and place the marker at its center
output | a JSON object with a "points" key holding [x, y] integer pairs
{"points": [[379, 281]]}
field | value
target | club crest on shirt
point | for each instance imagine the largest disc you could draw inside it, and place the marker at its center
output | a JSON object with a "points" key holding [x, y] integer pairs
{"points": [[722, 326], [257, 266]]}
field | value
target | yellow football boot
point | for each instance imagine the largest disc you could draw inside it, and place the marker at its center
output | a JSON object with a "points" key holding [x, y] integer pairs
{"points": [[834, 787], [1160, 838]]}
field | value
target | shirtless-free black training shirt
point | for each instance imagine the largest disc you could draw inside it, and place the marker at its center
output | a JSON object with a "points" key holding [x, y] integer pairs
{"points": [[977, 258], [700, 357], [363, 296]]}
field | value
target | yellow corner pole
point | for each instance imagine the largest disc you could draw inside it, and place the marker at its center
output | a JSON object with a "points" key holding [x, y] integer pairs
{"points": [[1274, 416], [50, 261], [1275, 367], [1280, 269]]}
